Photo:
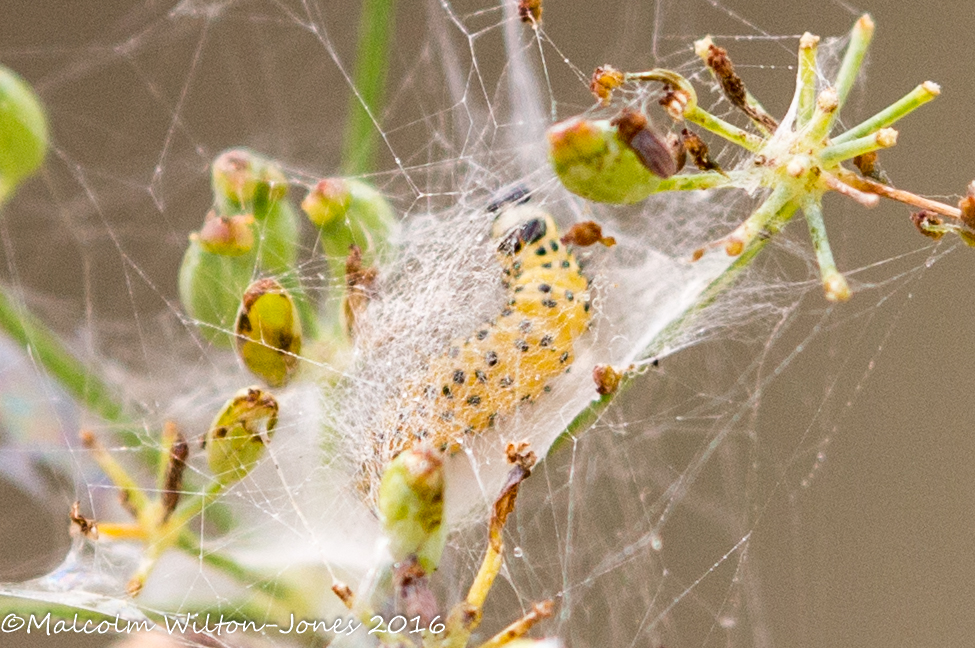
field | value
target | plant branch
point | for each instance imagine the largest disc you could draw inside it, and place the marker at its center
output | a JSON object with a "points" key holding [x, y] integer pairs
{"points": [[587, 417], [914, 99], [369, 82]]}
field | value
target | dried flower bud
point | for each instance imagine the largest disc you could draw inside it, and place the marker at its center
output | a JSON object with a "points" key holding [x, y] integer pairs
{"points": [[175, 466], [235, 440], [606, 378], [967, 207], [530, 11], [86, 527], [268, 332], [411, 506], [593, 161], [676, 144], [585, 234], [359, 283], [605, 79], [929, 224], [717, 60], [23, 132], [675, 102], [698, 150]]}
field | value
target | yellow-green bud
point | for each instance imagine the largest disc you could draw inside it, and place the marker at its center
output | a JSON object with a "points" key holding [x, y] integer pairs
{"points": [[235, 440], [350, 212], [23, 131], [593, 161], [327, 202], [268, 332], [227, 235], [411, 506]]}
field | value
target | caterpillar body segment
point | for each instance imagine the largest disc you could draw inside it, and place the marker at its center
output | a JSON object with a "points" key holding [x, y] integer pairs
{"points": [[507, 360]]}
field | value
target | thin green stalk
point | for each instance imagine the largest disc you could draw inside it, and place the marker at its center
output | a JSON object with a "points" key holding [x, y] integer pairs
{"points": [[718, 126], [369, 81], [808, 46], [689, 182], [836, 153], [762, 222], [192, 508], [821, 121], [860, 39], [833, 282], [900, 108]]}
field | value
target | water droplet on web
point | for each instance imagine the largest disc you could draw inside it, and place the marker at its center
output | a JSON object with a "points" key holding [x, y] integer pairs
{"points": [[656, 543], [518, 553], [727, 622], [929, 263]]}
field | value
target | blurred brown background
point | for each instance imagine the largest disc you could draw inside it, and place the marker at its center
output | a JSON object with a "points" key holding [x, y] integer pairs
{"points": [[877, 551]]}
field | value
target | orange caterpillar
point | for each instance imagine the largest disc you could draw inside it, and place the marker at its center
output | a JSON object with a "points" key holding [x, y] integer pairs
{"points": [[506, 361]]}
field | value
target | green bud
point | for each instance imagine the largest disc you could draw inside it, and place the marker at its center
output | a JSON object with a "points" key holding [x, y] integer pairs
{"points": [[327, 202], [269, 332], [350, 212], [593, 161], [23, 132], [235, 441], [411, 506], [227, 235], [245, 182], [211, 287]]}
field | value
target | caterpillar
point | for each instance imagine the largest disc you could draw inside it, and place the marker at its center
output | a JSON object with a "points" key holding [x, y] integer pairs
{"points": [[506, 361]]}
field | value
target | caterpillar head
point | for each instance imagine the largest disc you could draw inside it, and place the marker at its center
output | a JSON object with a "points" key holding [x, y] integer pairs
{"points": [[518, 226]]}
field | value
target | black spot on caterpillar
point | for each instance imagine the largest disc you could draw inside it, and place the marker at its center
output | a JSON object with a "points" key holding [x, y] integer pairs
{"points": [[505, 361]]}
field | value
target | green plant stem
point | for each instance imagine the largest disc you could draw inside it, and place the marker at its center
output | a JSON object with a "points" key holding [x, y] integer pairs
{"points": [[914, 99], [689, 182], [369, 81], [763, 221], [833, 282], [860, 39], [587, 417], [720, 127], [822, 119], [836, 153], [808, 47]]}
